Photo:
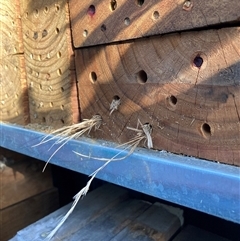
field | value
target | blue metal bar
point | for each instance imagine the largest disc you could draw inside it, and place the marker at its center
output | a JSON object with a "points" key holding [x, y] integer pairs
{"points": [[206, 186]]}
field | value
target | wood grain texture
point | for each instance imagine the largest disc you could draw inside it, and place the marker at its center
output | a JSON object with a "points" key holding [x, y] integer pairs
{"points": [[22, 214], [13, 87], [97, 22], [49, 62], [187, 86], [21, 178], [108, 213]]}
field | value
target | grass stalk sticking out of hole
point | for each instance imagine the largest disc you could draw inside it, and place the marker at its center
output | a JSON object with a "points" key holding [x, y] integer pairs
{"points": [[143, 134], [66, 133]]}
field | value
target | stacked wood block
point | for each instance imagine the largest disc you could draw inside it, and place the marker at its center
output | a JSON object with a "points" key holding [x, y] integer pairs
{"points": [[27, 194], [172, 64], [185, 84], [37, 66]]}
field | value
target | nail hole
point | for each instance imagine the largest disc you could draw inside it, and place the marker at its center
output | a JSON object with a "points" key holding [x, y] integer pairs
{"points": [[85, 33], [57, 8], [139, 2], [113, 5], [156, 15], [62, 107], [35, 35], [93, 77], [141, 77], [59, 72], [51, 104], [59, 54], [36, 13], [62, 120], [57, 30], [46, 9], [198, 61], [91, 10], [44, 33], [103, 28], [62, 89], [127, 21], [206, 130], [44, 120]]}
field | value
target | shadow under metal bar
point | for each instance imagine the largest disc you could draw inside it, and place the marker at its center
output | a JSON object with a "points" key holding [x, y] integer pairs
{"points": [[203, 185]]}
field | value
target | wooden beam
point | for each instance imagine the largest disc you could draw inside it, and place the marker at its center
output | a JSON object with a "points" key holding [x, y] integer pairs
{"points": [[49, 62], [187, 86], [98, 22], [13, 87]]}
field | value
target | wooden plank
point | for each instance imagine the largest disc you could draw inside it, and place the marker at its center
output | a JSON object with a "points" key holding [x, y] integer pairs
{"points": [[49, 62], [156, 223], [108, 213], [21, 178], [185, 85], [97, 22], [13, 94], [197, 234], [26, 212]]}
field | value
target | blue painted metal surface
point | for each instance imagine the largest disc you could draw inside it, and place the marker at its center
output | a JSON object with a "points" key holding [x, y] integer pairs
{"points": [[206, 186]]}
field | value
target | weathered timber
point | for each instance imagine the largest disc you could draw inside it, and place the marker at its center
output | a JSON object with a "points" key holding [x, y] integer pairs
{"points": [[22, 214], [187, 86], [49, 62], [97, 22], [108, 213], [13, 87], [21, 178]]}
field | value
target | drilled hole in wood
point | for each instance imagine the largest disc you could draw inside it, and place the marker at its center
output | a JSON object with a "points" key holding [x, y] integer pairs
{"points": [[59, 72], [113, 5], [62, 107], [62, 120], [198, 61], [57, 30], [36, 13], [62, 89], [59, 54], [91, 10], [141, 77], [139, 2], [206, 130], [85, 33], [35, 35], [156, 15], [127, 21], [103, 28], [44, 120], [44, 33], [51, 104], [172, 100], [116, 97], [57, 8], [46, 9], [93, 77]]}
